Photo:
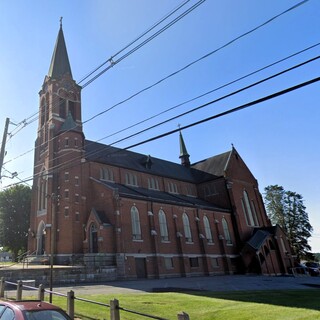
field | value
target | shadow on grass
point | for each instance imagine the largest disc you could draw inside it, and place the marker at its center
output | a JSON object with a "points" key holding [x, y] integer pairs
{"points": [[306, 299]]}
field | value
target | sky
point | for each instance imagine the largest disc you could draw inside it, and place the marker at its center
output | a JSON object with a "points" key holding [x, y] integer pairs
{"points": [[278, 139]]}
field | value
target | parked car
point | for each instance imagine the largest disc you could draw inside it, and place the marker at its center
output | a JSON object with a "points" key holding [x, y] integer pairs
{"points": [[301, 268], [313, 268], [30, 310]]}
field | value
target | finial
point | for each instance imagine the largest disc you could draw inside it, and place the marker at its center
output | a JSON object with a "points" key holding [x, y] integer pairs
{"points": [[61, 22], [232, 145], [179, 125]]}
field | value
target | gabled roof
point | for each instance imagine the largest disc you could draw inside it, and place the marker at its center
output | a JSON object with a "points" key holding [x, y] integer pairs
{"points": [[258, 239], [60, 61], [215, 165], [159, 196], [105, 154], [100, 216]]}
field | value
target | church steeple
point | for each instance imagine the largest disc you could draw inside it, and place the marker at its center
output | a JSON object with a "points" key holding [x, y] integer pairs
{"points": [[60, 62], [184, 156]]}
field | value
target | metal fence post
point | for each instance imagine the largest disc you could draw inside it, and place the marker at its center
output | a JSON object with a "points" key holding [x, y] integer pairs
{"points": [[2, 286], [41, 292], [114, 310], [19, 290], [70, 304], [183, 316]]}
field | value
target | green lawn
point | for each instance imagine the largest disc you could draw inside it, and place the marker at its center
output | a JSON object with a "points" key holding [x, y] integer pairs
{"points": [[248, 305]]}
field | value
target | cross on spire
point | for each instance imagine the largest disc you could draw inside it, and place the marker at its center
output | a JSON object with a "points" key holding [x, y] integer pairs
{"points": [[61, 22]]}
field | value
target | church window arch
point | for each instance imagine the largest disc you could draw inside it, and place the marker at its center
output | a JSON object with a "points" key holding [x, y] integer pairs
{"points": [[131, 179], [163, 226], [42, 191], [106, 174], [207, 229], [226, 231], [62, 108], [72, 109], [250, 214], [186, 227], [93, 238], [41, 231], [135, 224]]}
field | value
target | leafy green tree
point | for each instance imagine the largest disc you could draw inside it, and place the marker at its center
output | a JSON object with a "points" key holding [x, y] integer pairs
{"points": [[286, 209], [15, 204]]}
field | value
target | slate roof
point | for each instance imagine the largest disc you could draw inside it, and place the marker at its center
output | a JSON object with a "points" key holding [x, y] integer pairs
{"points": [[159, 196], [258, 239], [215, 165], [105, 154], [59, 65]]}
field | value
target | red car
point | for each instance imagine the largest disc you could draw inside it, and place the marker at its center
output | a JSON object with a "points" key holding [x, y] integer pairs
{"points": [[30, 310]]}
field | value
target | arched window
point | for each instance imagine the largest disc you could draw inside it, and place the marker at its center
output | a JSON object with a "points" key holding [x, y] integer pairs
{"points": [[42, 191], [131, 179], [43, 112], [250, 215], [106, 174], [284, 249], [153, 183], [163, 226], [62, 108], [207, 229], [135, 222], [72, 109], [226, 231], [186, 227], [93, 239], [41, 231]]}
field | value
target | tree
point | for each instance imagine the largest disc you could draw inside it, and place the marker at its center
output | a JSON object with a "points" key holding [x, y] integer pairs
{"points": [[15, 205], [286, 209]]}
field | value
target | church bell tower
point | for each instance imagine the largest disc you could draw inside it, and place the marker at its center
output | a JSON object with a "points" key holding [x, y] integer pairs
{"points": [[57, 160]]}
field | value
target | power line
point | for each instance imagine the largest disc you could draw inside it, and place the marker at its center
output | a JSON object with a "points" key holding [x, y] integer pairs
{"points": [[202, 95], [167, 26], [218, 88], [136, 39], [236, 109], [218, 99], [187, 66], [197, 60], [25, 123], [214, 101], [244, 106]]}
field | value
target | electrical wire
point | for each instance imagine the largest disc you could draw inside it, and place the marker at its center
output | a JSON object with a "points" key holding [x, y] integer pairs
{"points": [[135, 40], [202, 95], [244, 106], [236, 109], [139, 46], [216, 100], [195, 61], [113, 63]]}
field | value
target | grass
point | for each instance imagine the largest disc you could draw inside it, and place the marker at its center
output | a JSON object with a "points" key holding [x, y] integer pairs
{"points": [[248, 305]]}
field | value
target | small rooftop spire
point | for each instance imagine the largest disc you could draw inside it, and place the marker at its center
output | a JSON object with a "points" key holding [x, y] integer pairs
{"points": [[184, 155]]}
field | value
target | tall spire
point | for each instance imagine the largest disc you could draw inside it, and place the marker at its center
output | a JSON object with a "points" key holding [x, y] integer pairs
{"points": [[184, 156], [60, 62]]}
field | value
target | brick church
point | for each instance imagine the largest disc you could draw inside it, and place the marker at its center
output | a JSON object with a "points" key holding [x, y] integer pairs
{"points": [[147, 217]]}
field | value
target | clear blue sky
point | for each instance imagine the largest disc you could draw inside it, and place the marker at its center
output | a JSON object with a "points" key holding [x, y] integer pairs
{"points": [[278, 139]]}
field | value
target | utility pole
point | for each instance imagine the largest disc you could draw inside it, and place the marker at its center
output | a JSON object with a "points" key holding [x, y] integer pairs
{"points": [[3, 145]]}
